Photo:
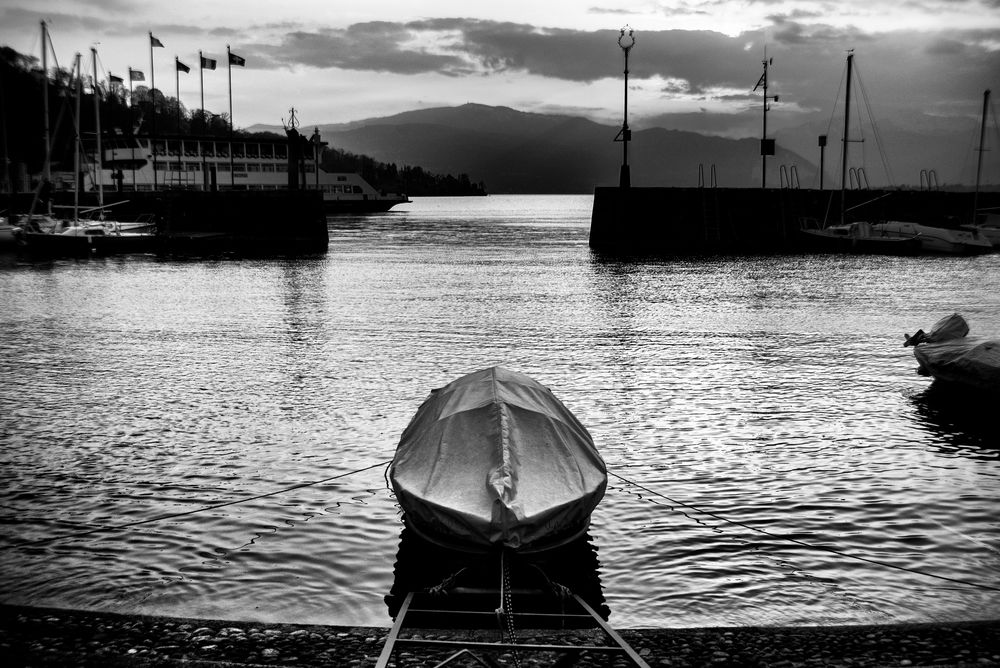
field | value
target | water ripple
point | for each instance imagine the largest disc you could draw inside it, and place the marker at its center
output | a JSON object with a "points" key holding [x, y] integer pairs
{"points": [[747, 395]]}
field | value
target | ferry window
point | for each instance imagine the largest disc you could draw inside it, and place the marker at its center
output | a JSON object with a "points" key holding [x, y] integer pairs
{"points": [[266, 151], [281, 152], [357, 190], [222, 150], [222, 167], [207, 148], [251, 167], [310, 168], [143, 187], [238, 150], [193, 166], [253, 150], [176, 166], [161, 166], [190, 148], [266, 167], [173, 147], [159, 148], [239, 167], [341, 178], [281, 168]]}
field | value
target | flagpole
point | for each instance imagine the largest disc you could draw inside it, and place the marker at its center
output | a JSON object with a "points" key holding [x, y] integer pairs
{"points": [[201, 80], [177, 83], [229, 67], [152, 98]]}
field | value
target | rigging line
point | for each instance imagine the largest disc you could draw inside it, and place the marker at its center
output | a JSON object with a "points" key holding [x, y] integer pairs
{"points": [[876, 132], [804, 544], [833, 110], [128, 525]]}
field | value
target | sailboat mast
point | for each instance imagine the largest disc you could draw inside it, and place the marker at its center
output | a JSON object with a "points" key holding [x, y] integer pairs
{"points": [[97, 125], [847, 127], [76, 152], [982, 149], [46, 172]]}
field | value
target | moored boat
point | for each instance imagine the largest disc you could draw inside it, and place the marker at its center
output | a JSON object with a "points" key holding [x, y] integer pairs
{"points": [[988, 228], [494, 460], [856, 237], [949, 355], [937, 239], [9, 234]]}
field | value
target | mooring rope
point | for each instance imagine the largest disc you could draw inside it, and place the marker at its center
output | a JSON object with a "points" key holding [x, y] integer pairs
{"points": [[160, 518], [802, 543]]}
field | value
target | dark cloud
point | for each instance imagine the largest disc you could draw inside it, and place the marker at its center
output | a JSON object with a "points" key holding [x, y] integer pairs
{"points": [[915, 69], [921, 70], [376, 46]]}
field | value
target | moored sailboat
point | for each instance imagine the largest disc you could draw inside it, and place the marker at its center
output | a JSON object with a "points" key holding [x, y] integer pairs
{"points": [[75, 235], [853, 237]]}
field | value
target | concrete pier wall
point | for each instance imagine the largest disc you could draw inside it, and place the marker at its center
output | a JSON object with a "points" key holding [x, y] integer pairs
{"points": [[753, 221]]}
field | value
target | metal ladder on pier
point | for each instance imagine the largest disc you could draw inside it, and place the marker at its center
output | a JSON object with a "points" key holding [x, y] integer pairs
{"points": [[469, 608]]}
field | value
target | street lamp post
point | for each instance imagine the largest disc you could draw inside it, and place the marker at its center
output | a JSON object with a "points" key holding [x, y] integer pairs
{"points": [[626, 42]]}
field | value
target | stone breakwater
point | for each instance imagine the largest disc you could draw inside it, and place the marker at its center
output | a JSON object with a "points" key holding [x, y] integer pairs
{"points": [[49, 637]]}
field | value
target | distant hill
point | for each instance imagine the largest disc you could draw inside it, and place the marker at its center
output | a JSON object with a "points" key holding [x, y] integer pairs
{"points": [[519, 152]]}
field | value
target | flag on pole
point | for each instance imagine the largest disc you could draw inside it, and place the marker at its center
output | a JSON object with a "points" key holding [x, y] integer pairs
{"points": [[115, 80], [136, 75], [181, 67], [761, 81], [208, 63], [237, 60], [153, 41]]}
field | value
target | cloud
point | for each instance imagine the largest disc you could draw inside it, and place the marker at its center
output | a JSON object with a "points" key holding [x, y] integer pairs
{"points": [[376, 46]]}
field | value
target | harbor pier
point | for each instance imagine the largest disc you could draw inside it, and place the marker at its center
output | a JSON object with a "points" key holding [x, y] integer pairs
{"points": [[745, 221]]}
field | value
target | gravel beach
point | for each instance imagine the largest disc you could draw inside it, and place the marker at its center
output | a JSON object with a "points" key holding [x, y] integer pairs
{"points": [[51, 637]]}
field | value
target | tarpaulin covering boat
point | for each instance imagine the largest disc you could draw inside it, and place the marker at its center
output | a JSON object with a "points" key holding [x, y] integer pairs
{"points": [[949, 355], [494, 459]]}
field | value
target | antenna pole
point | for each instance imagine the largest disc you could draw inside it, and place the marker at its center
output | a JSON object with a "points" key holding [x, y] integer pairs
{"points": [[763, 136]]}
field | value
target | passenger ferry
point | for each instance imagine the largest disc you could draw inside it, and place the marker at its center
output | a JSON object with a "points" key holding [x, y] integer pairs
{"points": [[142, 163]]}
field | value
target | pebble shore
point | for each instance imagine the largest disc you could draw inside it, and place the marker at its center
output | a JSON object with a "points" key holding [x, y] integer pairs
{"points": [[51, 637]]}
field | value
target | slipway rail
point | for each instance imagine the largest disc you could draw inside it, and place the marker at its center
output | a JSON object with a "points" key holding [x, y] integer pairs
{"points": [[423, 611]]}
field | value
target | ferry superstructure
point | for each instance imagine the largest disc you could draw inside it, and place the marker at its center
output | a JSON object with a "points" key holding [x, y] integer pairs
{"points": [[144, 164]]}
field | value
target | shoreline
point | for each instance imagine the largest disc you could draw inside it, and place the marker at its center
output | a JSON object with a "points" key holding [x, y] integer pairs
{"points": [[57, 637]]}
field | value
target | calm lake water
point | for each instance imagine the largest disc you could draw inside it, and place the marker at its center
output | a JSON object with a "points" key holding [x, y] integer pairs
{"points": [[743, 394]]}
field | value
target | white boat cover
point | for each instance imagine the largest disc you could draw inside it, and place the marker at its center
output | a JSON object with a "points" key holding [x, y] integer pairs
{"points": [[970, 361], [495, 459]]}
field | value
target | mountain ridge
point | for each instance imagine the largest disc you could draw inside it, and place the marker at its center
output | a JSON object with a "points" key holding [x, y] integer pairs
{"points": [[514, 151]]}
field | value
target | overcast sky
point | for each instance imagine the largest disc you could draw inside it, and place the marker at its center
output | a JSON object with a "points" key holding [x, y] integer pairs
{"points": [[694, 64]]}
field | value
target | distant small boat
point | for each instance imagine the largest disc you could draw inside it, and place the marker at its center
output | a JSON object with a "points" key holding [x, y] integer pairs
{"points": [[988, 229], [856, 237], [494, 460], [949, 355], [84, 238], [937, 239], [9, 234]]}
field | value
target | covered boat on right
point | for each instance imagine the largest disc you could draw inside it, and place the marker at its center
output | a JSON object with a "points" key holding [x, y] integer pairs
{"points": [[949, 355]]}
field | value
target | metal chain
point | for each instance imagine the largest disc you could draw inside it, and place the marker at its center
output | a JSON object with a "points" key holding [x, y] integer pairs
{"points": [[507, 605]]}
